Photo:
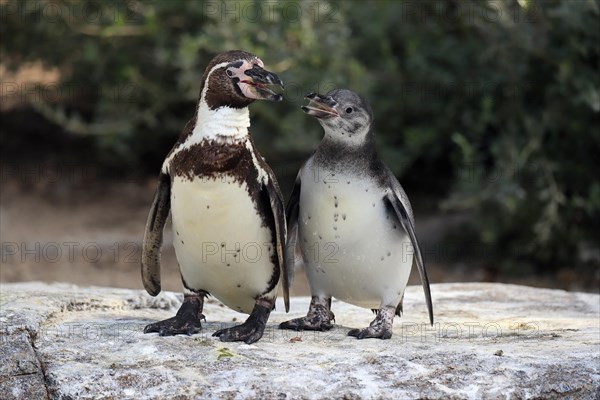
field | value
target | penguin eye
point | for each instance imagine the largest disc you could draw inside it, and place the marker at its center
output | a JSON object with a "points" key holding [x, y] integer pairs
{"points": [[349, 110], [229, 72]]}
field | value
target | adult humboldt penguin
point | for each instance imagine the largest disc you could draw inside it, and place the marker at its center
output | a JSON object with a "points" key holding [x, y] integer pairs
{"points": [[226, 207], [352, 221]]}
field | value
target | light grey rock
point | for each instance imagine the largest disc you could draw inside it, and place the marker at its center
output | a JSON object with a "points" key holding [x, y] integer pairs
{"points": [[20, 371], [490, 341]]}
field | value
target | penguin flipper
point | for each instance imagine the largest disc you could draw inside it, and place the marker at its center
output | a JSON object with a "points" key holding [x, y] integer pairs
{"points": [[153, 235], [276, 199], [291, 216], [393, 201]]}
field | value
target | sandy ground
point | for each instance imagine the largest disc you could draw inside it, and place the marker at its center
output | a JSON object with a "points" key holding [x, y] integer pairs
{"points": [[89, 233]]}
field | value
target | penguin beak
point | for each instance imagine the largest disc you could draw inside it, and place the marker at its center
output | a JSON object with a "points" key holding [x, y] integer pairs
{"points": [[258, 83], [320, 106]]}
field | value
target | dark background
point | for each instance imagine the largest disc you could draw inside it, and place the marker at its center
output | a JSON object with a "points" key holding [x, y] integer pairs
{"points": [[487, 111]]}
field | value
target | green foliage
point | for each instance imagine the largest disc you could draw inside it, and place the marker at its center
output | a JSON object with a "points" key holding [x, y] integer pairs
{"points": [[489, 107]]}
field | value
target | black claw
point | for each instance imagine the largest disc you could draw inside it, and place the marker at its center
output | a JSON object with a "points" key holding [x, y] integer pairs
{"points": [[290, 325], [190, 331], [354, 332]]}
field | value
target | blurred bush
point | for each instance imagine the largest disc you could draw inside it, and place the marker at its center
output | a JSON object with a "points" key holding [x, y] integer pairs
{"points": [[487, 107]]}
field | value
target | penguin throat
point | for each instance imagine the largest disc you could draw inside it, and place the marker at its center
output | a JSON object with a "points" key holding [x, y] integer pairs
{"points": [[344, 138], [221, 124], [224, 124], [337, 154]]}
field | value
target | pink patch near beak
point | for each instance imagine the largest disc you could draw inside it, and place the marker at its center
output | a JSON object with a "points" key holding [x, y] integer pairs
{"points": [[245, 82]]}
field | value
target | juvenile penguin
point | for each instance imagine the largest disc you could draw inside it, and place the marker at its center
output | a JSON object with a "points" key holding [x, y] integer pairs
{"points": [[352, 221], [226, 207]]}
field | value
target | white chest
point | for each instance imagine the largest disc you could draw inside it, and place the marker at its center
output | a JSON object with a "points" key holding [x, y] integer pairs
{"points": [[353, 248], [221, 243]]}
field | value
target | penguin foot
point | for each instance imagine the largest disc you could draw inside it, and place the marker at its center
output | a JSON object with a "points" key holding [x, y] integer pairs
{"points": [[186, 322], [176, 326], [318, 318], [307, 323], [251, 330], [381, 327]]}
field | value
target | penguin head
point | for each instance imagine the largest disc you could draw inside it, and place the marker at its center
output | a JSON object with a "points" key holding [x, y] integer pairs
{"points": [[237, 78], [343, 114]]}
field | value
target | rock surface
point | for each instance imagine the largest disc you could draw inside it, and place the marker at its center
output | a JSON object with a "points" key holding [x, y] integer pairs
{"points": [[489, 341]]}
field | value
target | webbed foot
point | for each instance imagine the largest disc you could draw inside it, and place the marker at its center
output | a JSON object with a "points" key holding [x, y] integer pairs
{"points": [[251, 330], [186, 322], [381, 327], [318, 318]]}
